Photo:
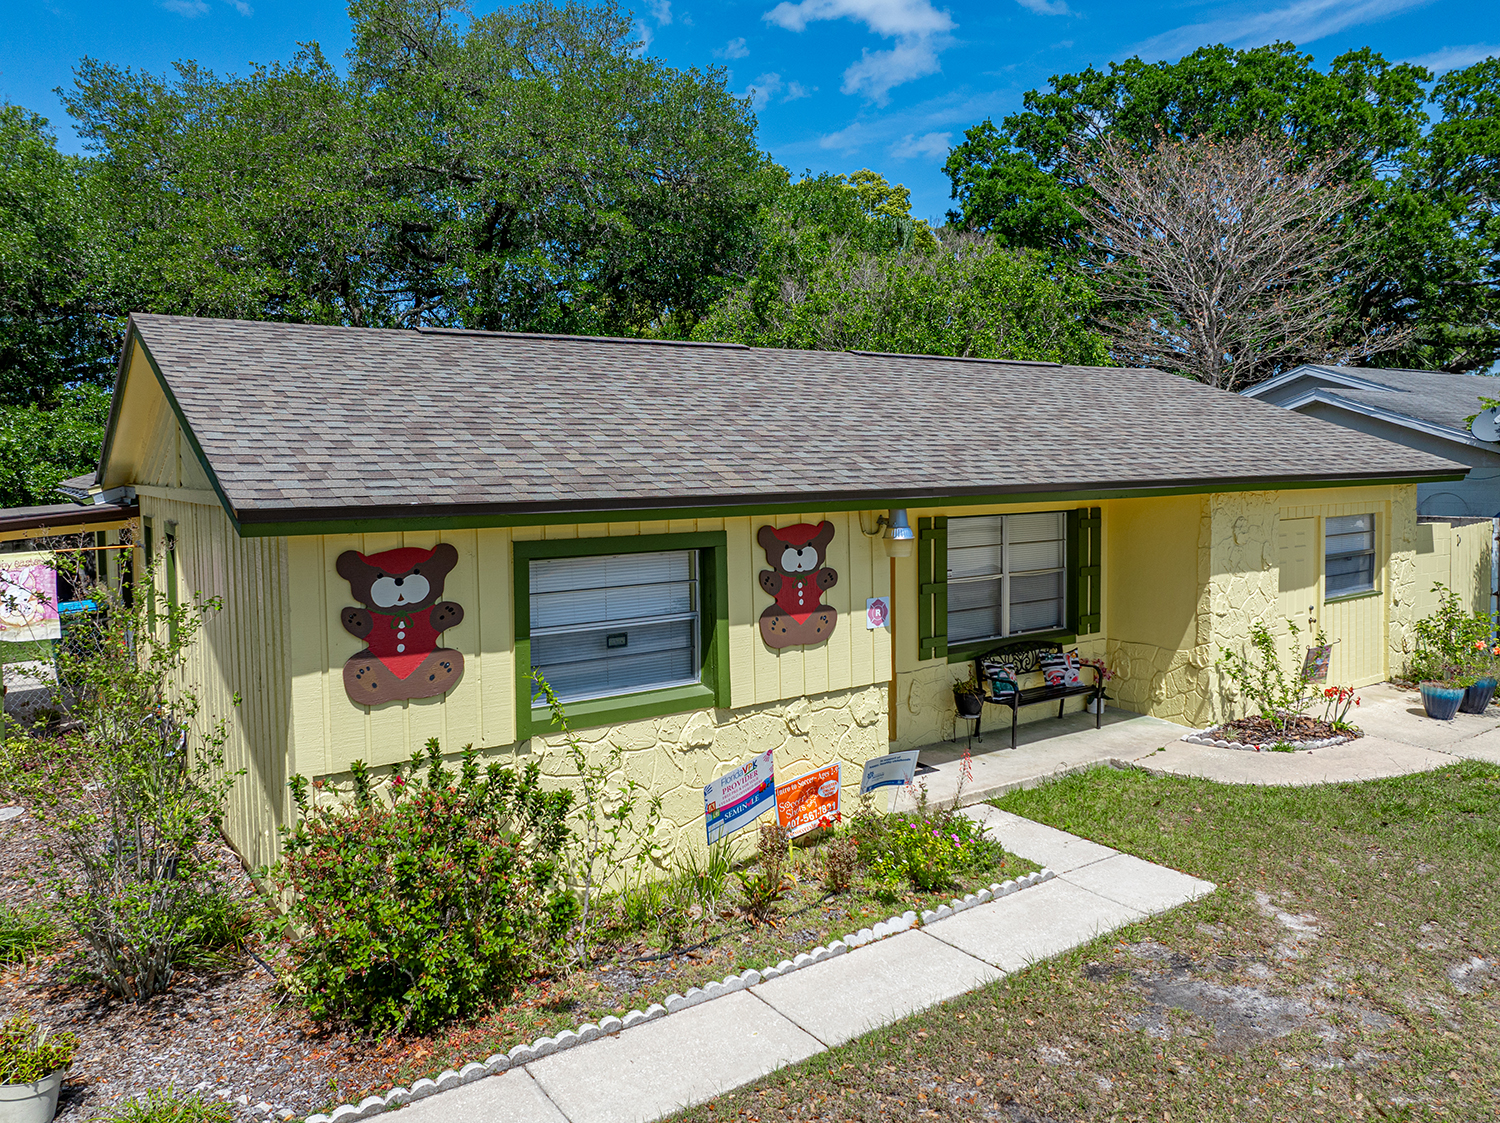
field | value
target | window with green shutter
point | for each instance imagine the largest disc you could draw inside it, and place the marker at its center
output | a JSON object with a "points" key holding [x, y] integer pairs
{"points": [[987, 578]]}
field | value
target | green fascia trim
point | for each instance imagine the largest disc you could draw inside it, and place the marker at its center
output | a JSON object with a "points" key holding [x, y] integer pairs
{"points": [[970, 651], [1364, 594], [623, 510], [714, 641], [623, 708]]}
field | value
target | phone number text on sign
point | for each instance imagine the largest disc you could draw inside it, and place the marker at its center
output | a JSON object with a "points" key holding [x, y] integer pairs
{"points": [[803, 803]]}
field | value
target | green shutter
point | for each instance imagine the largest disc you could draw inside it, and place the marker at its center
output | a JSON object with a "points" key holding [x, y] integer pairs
{"points": [[932, 587], [1086, 548]]}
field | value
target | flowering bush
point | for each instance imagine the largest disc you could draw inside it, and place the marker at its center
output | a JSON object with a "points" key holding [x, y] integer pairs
{"points": [[423, 907], [1337, 701], [928, 848], [1452, 645]]}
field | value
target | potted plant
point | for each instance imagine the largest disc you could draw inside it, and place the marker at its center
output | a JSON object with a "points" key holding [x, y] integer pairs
{"points": [[1477, 694], [968, 695], [1441, 698], [32, 1063], [1102, 675]]}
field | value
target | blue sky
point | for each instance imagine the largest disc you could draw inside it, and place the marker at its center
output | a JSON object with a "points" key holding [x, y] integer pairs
{"points": [[838, 84]]}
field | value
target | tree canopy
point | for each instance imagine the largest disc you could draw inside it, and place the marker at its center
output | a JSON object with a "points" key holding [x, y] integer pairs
{"points": [[1428, 197]]}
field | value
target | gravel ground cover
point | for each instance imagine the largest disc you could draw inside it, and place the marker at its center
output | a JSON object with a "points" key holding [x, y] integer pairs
{"points": [[232, 1034], [1347, 968]]}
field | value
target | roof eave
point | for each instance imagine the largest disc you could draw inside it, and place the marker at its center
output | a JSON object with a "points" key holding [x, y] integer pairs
{"points": [[292, 521]]}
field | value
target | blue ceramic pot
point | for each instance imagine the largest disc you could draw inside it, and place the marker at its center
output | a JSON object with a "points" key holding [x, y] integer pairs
{"points": [[1441, 702], [1477, 697]]}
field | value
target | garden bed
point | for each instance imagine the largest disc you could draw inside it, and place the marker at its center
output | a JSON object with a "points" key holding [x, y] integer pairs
{"points": [[1256, 734], [232, 1034]]}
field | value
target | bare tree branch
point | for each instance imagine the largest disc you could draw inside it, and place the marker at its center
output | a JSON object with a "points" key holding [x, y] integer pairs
{"points": [[1225, 261]]}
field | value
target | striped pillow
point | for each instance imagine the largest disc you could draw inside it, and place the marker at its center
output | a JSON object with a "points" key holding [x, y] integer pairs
{"points": [[1054, 666]]}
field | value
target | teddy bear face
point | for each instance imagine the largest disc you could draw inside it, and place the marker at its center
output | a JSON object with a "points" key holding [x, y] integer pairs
{"points": [[402, 580], [796, 549]]}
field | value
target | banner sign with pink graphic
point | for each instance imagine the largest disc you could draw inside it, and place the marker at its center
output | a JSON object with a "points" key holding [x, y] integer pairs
{"points": [[738, 798], [28, 598]]}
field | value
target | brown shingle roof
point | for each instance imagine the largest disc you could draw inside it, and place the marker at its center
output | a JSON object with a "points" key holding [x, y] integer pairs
{"points": [[305, 421]]}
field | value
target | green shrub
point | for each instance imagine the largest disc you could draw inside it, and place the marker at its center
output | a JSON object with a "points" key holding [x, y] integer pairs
{"points": [[169, 1107], [25, 932], [928, 848], [28, 1052], [424, 905], [134, 787], [1274, 692], [1452, 645]]}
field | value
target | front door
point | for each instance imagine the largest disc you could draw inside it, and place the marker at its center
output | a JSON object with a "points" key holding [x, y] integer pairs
{"points": [[1297, 599]]}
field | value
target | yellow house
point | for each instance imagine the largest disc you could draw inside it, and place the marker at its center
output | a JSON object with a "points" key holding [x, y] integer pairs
{"points": [[687, 538]]}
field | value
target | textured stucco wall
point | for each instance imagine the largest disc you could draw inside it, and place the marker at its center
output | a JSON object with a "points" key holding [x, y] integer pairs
{"points": [[675, 756]]}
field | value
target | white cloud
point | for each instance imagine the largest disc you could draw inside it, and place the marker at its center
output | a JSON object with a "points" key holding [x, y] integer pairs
{"points": [[192, 9], [1047, 7], [661, 10], [1455, 58], [920, 30], [884, 17], [763, 89], [1302, 22], [735, 48], [933, 145], [242, 8], [878, 71], [643, 34], [796, 91]]}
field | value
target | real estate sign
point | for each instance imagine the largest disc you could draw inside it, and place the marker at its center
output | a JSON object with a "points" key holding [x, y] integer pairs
{"points": [[738, 798], [803, 803], [891, 770]]}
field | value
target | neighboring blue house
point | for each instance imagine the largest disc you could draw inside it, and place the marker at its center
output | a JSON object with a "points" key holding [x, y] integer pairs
{"points": [[1422, 409]]}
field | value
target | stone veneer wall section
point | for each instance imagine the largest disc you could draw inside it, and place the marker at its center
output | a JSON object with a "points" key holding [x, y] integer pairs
{"points": [[675, 756]]}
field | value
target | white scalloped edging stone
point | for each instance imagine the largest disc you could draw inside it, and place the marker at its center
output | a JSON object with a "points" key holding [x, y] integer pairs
{"points": [[1206, 737], [566, 1039]]}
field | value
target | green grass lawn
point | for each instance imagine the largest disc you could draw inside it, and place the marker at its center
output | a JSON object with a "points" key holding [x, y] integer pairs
{"points": [[1347, 968]]}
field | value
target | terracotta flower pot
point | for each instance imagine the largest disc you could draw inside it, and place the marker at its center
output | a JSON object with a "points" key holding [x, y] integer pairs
{"points": [[1441, 701], [30, 1103]]}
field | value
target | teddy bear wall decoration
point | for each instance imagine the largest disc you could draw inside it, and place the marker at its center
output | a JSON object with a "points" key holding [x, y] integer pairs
{"points": [[798, 578], [401, 623]]}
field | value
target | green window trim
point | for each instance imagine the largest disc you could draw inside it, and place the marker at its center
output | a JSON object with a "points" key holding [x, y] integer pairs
{"points": [[1083, 582], [713, 688]]}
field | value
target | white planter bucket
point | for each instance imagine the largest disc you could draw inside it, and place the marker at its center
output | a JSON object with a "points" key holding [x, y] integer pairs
{"points": [[1094, 706], [30, 1103]]}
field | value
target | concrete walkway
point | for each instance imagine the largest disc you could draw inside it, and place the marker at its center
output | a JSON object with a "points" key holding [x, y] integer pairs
{"points": [[1399, 739], [652, 1070]]}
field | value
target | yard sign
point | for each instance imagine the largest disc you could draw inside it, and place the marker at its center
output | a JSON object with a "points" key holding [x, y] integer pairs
{"points": [[893, 769], [738, 798], [803, 803], [28, 599]]}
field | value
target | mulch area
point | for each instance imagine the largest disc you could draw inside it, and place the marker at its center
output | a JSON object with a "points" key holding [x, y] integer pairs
{"points": [[227, 1035], [235, 1036], [1259, 731]]}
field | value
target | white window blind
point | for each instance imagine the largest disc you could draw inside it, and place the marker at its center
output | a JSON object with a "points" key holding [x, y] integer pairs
{"points": [[1005, 575], [1349, 555], [615, 624]]}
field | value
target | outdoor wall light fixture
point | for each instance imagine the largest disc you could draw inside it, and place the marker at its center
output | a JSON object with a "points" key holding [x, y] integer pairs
{"points": [[900, 538]]}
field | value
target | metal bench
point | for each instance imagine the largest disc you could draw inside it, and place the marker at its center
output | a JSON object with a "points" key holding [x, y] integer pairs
{"points": [[1025, 657]]}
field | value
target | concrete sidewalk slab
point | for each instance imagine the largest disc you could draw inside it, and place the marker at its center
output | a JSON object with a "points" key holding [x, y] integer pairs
{"points": [[1486, 746], [663, 1066], [1043, 921], [511, 1097], [874, 986], [1393, 714], [1037, 842], [1369, 758], [1145, 886]]}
